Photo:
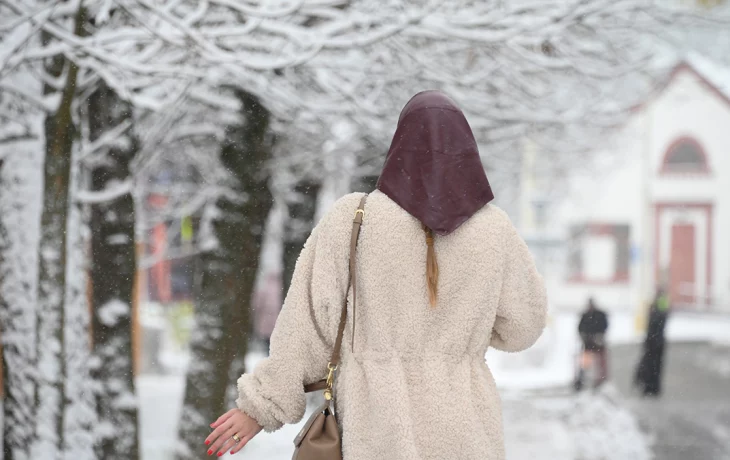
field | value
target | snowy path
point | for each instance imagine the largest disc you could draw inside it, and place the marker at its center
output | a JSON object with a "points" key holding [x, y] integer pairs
{"points": [[546, 427], [549, 425], [692, 419], [568, 427]]}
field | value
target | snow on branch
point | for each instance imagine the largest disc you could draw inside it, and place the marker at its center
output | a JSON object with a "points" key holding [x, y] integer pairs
{"points": [[548, 69], [114, 190], [110, 138], [220, 40]]}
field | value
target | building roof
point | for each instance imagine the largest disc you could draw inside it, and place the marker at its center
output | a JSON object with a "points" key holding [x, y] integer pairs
{"points": [[713, 76]]}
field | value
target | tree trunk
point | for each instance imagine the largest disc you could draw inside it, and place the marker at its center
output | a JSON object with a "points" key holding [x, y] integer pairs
{"points": [[80, 418], [298, 226], [20, 191], [113, 267], [225, 276], [50, 396], [365, 184]]}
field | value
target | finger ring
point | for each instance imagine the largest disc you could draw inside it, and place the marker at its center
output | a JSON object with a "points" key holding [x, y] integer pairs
{"points": [[236, 439]]}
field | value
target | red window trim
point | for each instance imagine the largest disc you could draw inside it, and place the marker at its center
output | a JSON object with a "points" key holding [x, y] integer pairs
{"points": [[667, 170], [619, 278], [599, 228]]}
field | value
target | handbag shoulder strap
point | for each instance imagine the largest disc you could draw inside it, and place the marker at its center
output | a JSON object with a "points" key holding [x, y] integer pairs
{"points": [[352, 283]]}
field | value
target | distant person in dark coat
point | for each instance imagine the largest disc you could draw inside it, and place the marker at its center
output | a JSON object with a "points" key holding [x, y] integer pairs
{"points": [[592, 329], [649, 372]]}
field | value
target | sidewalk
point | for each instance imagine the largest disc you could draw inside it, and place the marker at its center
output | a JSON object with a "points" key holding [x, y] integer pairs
{"points": [[692, 418], [542, 419], [545, 427], [550, 363], [595, 426]]}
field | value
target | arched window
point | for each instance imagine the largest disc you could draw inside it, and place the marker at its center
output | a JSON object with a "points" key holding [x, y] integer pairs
{"points": [[685, 155]]}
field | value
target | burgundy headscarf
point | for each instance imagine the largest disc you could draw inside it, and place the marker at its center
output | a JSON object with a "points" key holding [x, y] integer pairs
{"points": [[433, 169]]}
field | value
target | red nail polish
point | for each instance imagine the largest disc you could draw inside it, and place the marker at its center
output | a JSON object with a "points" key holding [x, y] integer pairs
{"points": [[207, 442], [210, 452], [220, 454]]}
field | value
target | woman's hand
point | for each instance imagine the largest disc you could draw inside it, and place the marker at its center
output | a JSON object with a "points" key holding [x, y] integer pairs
{"points": [[230, 426]]}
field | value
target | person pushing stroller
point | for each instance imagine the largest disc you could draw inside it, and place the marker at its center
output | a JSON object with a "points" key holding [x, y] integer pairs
{"points": [[592, 330]]}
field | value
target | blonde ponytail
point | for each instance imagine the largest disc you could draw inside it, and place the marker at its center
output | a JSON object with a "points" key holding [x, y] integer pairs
{"points": [[432, 268]]}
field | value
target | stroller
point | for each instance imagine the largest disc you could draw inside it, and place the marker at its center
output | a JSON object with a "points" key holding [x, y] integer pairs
{"points": [[590, 361]]}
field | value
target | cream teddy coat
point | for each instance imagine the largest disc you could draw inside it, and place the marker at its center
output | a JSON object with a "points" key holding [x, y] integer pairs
{"points": [[416, 385]]}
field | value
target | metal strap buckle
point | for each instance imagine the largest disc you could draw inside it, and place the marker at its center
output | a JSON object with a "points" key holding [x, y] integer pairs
{"points": [[330, 381], [331, 375]]}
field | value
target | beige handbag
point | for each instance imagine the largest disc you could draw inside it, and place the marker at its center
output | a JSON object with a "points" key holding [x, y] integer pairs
{"points": [[319, 439]]}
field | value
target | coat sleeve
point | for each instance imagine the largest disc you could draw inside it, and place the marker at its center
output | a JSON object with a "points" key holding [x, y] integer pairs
{"points": [[522, 307], [303, 337], [582, 324]]}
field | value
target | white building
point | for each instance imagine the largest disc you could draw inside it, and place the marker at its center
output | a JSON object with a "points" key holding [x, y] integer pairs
{"points": [[656, 211]]}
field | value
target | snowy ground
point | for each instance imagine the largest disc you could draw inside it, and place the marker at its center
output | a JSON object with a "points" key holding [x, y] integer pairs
{"points": [[542, 420], [585, 427], [546, 427]]}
